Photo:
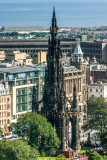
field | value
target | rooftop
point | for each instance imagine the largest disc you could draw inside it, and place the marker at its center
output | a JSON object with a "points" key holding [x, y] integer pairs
{"points": [[66, 59], [17, 69], [78, 49], [99, 83], [70, 69]]}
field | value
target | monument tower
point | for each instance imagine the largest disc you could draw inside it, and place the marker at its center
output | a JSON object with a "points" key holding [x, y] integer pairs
{"points": [[54, 100], [54, 95]]}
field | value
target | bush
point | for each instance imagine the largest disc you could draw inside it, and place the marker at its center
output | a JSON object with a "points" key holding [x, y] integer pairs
{"points": [[61, 157], [95, 156]]}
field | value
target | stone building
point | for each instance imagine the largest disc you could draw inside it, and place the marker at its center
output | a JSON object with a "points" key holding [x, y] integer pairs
{"points": [[22, 80], [98, 74], [90, 49], [95, 49], [76, 73], [98, 89], [80, 63], [17, 57], [38, 57], [95, 72], [5, 108]]}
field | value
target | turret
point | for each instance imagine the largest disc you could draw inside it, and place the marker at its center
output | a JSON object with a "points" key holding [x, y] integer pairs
{"points": [[78, 54]]}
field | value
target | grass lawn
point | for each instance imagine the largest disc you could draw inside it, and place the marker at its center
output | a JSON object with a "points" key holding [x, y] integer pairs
{"points": [[47, 158], [84, 149]]}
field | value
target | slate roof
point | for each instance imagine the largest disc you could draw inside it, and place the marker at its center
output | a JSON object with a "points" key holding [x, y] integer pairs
{"points": [[18, 69], [70, 69], [66, 59]]}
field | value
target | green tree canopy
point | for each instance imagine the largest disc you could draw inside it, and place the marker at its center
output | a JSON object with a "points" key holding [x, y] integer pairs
{"points": [[95, 156], [17, 150], [61, 157], [103, 138], [38, 132], [0, 132], [97, 114]]}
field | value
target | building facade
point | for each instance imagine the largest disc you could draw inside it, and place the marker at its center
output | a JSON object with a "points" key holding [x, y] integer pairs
{"points": [[95, 49], [17, 57], [38, 57], [98, 89], [22, 80], [5, 108], [90, 49], [79, 78]]}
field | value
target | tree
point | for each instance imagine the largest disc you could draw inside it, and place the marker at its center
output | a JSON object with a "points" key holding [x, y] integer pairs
{"points": [[39, 133], [97, 114], [95, 156], [0, 132], [61, 157], [14, 34], [17, 150], [103, 138]]}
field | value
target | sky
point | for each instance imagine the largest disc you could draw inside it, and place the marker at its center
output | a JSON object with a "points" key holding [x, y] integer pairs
{"points": [[53, 1], [25, 12]]}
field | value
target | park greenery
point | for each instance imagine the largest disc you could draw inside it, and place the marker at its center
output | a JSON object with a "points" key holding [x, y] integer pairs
{"points": [[103, 138], [17, 150], [0, 132], [95, 156], [97, 114], [97, 120], [61, 157], [39, 133]]}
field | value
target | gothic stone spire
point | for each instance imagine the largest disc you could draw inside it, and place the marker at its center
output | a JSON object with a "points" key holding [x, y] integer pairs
{"points": [[54, 96], [54, 28]]}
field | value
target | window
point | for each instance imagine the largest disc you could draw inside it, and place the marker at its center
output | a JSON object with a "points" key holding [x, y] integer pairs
{"points": [[32, 74], [4, 99], [79, 108], [90, 90], [96, 90], [101, 96], [21, 75], [100, 90], [10, 77], [8, 121], [24, 107], [7, 99], [8, 114], [5, 121]]}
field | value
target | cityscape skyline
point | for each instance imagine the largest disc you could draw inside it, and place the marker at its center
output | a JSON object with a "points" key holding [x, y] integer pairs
{"points": [[53, 84]]}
